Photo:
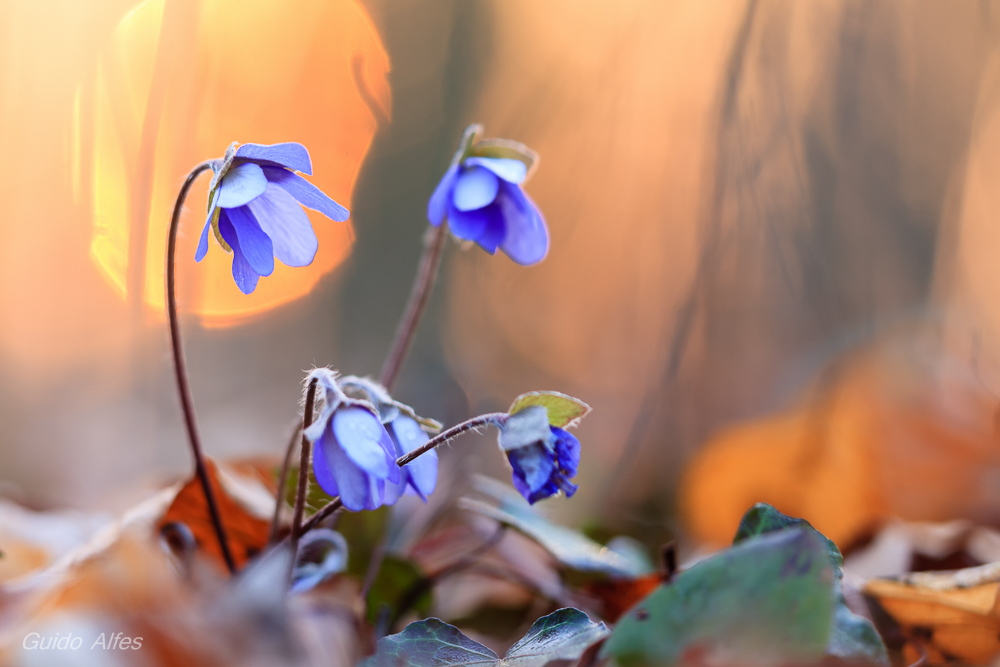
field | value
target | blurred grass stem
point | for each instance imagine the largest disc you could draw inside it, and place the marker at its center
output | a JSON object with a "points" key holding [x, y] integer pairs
{"points": [[183, 387], [283, 481], [306, 450], [427, 272]]}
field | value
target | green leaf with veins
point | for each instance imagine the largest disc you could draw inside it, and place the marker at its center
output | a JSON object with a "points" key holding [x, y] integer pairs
{"points": [[562, 635], [564, 411]]}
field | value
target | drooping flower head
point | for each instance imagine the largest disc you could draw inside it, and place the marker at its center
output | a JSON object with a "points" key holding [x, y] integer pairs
{"points": [[353, 455], [481, 197], [543, 456], [255, 209], [407, 431]]}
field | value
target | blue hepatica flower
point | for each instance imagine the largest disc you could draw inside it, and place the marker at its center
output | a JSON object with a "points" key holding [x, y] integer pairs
{"points": [[542, 470], [353, 455], [542, 457], [482, 199], [406, 432], [255, 209]]}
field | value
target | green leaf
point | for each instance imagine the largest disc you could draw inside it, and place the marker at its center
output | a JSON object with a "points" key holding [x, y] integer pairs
{"points": [[763, 518], [571, 548], [399, 582], [564, 411], [562, 635], [854, 638], [431, 642], [768, 598]]}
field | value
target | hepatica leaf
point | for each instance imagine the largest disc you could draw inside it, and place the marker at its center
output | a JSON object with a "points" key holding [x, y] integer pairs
{"points": [[571, 548], [853, 637], [428, 643], [766, 600], [563, 410], [562, 635]]}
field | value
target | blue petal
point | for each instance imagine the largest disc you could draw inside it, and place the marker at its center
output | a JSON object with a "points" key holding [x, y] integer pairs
{"points": [[566, 486], [567, 451], [241, 185], [357, 490], [292, 155], [203, 241], [509, 169], [439, 202], [470, 225], [495, 231], [288, 226], [244, 275], [527, 239], [422, 471], [321, 467], [359, 434], [254, 242], [476, 187], [533, 464], [308, 194]]}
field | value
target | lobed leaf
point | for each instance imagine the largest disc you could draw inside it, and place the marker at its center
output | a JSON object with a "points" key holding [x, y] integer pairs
{"points": [[562, 635]]}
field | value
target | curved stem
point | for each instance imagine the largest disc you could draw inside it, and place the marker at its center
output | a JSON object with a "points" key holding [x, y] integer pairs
{"points": [[419, 296], [279, 497], [306, 449], [490, 419], [180, 369]]}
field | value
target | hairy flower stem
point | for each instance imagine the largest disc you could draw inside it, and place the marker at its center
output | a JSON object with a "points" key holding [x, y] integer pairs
{"points": [[183, 387], [419, 296], [300, 491], [279, 497], [490, 419]]}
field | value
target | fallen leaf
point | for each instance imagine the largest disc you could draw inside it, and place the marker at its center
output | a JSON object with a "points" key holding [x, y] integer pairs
{"points": [[952, 616], [246, 532], [904, 429]]}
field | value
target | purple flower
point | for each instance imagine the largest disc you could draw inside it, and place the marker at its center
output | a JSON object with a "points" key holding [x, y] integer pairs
{"points": [[543, 469], [353, 455], [254, 209], [421, 473], [482, 199]]}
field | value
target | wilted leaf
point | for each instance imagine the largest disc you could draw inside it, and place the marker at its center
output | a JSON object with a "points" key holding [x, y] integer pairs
{"points": [[953, 616], [562, 635], [853, 638], [769, 597], [571, 548], [563, 410], [246, 533], [322, 554]]}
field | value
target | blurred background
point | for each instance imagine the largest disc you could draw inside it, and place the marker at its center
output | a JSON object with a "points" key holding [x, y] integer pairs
{"points": [[774, 268]]}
